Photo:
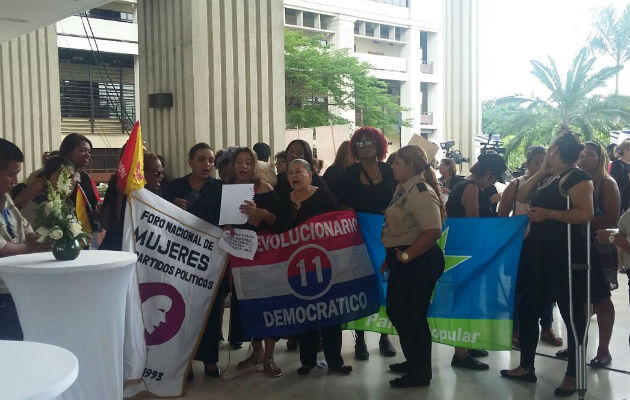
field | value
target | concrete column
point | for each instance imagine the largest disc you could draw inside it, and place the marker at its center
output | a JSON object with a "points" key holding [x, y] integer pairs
{"points": [[223, 61], [462, 107], [30, 106], [343, 26], [410, 90]]}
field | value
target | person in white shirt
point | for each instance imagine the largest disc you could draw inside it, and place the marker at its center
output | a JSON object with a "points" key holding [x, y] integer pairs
{"points": [[16, 234]]}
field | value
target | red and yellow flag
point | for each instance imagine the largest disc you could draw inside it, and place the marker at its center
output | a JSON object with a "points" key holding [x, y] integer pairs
{"points": [[82, 212], [130, 171]]}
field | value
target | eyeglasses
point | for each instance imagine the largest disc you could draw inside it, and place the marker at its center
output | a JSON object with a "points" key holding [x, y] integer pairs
{"points": [[364, 143], [159, 172]]}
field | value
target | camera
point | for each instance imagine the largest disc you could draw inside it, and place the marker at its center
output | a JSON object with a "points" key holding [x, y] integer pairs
{"points": [[493, 145], [456, 155]]}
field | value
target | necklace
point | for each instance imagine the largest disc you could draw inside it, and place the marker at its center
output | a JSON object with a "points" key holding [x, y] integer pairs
{"points": [[297, 200]]}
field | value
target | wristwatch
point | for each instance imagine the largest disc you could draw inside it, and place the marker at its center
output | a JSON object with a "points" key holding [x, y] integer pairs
{"points": [[611, 238], [404, 256]]}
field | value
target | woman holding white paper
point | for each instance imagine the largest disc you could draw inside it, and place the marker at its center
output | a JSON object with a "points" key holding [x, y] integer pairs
{"points": [[261, 213]]}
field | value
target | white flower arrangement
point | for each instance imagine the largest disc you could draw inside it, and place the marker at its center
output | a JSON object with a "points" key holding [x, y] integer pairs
{"points": [[55, 218]]}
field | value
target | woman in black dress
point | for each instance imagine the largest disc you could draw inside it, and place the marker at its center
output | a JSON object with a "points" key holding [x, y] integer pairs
{"points": [[297, 149], [333, 174], [368, 186], [606, 200], [470, 199], [306, 201], [543, 272], [200, 194], [261, 217]]}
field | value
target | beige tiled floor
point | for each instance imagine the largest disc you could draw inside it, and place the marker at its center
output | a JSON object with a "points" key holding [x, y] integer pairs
{"points": [[370, 378]]}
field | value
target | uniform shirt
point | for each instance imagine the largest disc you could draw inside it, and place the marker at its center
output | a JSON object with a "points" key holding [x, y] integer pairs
{"points": [[13, 228], [414, 209]]}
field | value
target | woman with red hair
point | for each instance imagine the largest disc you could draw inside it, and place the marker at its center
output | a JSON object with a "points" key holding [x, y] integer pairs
{"points": [[368, 186]]}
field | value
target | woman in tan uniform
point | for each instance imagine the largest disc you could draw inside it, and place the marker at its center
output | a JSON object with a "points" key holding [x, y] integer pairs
{"points": [[413, 224]]}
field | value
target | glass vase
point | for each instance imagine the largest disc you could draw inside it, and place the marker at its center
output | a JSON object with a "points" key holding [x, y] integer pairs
{"points": [[66, 249]]}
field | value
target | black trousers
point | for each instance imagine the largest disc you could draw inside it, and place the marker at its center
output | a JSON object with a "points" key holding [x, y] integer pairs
{"points": [[530, 310], [331, 342], [208, 350], [409, 290]]}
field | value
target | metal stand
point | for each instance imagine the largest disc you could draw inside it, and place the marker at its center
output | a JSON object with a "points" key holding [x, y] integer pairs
{"points": [[580, 345]]}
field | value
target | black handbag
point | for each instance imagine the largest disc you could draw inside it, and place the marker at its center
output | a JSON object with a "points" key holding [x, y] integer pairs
{"points": [[606, 257]]}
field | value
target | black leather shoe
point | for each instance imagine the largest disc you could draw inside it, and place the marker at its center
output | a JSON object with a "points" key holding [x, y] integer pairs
{"points": [[409, 380], [400, 368], [342, 370], [563, 354], [386, 348], [564, 392], [528, 377], [360, 350], [469, 363], [213, 373], [477, 353], [305, 369], [236, 345]]}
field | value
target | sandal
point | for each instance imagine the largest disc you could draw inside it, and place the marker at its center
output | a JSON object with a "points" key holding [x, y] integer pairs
{"points": [[547, 336], [271, 369], [250, 361]]}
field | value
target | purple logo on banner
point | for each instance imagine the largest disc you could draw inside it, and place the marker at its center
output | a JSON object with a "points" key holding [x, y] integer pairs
{"points": [[163, 311]]}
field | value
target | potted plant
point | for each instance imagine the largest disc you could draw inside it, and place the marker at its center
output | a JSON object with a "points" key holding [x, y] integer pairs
{"points": [[55, 219]]}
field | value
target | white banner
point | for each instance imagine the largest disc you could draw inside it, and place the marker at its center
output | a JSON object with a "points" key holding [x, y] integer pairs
{"points": [[179, 268]]}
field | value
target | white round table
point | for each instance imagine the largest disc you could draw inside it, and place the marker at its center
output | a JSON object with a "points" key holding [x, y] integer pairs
{"points": [[35, 371], [78, 305]]}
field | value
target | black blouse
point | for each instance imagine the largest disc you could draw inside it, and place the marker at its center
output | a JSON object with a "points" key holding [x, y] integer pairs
{"points": [[290, 216], [373, 198], [619, 171], [332, 177], [455, 208], [205, 204]]}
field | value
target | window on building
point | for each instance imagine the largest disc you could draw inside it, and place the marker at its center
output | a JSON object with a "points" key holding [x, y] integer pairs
{"points": [[356, 27], [370, 28], [399, 34], [290, 16], [326, 20], [97, 92], [308, 19], [99, 13], [385, 31]]}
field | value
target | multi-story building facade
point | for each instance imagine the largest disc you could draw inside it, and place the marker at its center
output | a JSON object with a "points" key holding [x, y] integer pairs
{"points": [[98, 52], [401, 39]]}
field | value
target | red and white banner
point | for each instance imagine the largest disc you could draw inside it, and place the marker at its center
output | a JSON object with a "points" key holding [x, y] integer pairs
{"points": [[316, 274]]}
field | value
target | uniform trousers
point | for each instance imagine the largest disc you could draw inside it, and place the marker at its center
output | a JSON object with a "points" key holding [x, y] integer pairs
{"points": [[409, 289], [331, 342]]}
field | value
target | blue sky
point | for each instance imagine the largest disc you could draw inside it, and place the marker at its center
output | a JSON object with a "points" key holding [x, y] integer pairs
{"points": [[513, 32]]}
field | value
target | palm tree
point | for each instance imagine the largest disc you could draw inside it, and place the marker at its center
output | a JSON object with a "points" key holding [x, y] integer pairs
{"points": [[612, 36], [570, 104]]}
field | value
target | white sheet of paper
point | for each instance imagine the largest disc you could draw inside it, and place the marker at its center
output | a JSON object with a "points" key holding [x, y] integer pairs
{"points": [[243, 243], [232, 197]]}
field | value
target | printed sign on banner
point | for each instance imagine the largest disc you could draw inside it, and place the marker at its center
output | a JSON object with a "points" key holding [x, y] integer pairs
{"points": [[179, 268], [316, 274]]}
